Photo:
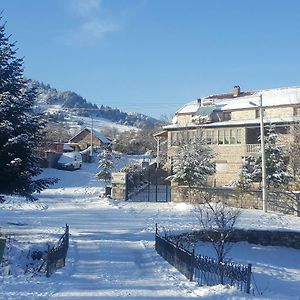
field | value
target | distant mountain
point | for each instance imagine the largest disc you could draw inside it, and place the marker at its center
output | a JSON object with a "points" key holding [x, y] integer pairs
{"points": [[53, 101]]}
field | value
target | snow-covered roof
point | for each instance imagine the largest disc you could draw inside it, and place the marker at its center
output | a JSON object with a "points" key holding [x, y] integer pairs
{"points": [[97, 134], [101, 137], [189, 108], [250, 122], [270, 97]]}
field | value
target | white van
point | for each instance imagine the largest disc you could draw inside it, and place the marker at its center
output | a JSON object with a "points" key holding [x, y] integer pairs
{"points": [[70, 161]]}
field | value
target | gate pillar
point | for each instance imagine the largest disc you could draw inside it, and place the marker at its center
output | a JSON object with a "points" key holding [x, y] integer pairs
{"points": [[119, 186]]}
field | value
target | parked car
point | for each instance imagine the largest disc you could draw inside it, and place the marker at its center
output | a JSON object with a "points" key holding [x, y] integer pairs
{"points": [[70, 161]]}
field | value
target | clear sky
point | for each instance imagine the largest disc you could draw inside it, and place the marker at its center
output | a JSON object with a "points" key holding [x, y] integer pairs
{"points": [[152, 56]]}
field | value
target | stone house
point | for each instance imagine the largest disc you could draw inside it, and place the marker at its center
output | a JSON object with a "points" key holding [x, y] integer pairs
{"points": [[231, 125]]}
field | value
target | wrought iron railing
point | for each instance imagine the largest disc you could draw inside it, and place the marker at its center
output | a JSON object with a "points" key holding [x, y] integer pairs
{"points": [[56, 256], [252, 148], [208, 271], [203, 269]]}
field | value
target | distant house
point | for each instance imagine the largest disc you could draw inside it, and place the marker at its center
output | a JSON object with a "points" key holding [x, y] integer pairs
{"points": [[83, 139], [50, 152]]}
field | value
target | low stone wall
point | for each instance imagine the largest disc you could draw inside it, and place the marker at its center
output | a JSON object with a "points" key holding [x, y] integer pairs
{"points": [[278, 202], [259, 237]]}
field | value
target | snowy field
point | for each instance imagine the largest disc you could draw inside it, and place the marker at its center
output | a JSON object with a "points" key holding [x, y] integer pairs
{"points": [[112, 256]]}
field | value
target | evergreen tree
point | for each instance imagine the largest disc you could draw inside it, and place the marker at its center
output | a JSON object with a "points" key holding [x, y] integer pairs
{"points": [[105, 166], [20, 128], [245, 181], [276, 171], [193, 164]]}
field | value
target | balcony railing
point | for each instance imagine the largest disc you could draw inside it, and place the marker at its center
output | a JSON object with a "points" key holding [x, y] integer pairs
{"points": [[252, 148]]}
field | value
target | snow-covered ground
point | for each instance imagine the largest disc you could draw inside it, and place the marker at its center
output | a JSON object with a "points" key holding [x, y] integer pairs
{"points": [[98, 124], [112, 254]]}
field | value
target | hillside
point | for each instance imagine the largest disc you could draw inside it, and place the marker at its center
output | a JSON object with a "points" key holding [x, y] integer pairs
{"points": [[53, 101]]}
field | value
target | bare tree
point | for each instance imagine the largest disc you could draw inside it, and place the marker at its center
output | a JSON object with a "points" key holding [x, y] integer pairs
{"points": [[286, 201], [218, 222], [57, 132]]}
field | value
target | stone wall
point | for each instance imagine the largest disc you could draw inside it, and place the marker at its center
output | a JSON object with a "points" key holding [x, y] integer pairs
{"points": [[245, 114], [278, 202], [260, 237]]}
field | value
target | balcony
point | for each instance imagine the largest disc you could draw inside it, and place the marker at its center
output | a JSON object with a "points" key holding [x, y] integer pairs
{"points": [[252, 149]]}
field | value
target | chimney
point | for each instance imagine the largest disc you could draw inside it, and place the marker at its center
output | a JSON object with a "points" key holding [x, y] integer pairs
{"points": [[199, 101], [236, 91]]}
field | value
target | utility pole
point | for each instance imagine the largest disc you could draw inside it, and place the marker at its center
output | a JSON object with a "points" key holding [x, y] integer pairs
{"points": [[92, 131], [263, 157], [157, 151]]}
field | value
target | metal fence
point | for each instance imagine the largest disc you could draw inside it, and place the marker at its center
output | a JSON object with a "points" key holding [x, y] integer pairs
{"points": [[2, 246], [202, 269], [178, 257], [56, 257], [207, 271]]}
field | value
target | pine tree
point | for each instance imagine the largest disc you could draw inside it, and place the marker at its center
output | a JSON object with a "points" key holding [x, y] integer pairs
{"points": [[245, 181], [105, 166], [193, 164], [20, 128], [276, 171]]}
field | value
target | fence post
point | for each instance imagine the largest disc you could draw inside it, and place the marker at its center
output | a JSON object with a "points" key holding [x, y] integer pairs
{"points": [[66, 244], [48, 262], [156, 187], [192, 265], [148, 187], [156, 228], [166, 192], [248, 279]]}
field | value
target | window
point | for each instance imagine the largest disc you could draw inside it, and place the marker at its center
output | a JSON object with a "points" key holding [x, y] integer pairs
{"points": [[296, 111], [232, 136], [220, 137], [215, 137], [226, 136], [210, 137], [283, 130], [174, 137], [238, 136]]}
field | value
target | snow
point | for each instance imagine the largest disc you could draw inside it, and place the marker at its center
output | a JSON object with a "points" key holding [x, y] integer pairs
{"points": [[101, 137], [190, 107], [270, 97], [69, 157], [111, 254], [268, 263], [98, 124]]}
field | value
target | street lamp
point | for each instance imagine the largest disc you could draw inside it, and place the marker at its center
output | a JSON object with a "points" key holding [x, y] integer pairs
{"points": [[263, 157]]}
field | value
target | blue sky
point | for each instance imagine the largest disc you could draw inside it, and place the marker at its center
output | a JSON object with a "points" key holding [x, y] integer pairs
{"points": [[152, 56]]}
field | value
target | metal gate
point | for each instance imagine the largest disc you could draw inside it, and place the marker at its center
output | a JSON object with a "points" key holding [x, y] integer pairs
{"points": [[155, 189], [152, 193]]}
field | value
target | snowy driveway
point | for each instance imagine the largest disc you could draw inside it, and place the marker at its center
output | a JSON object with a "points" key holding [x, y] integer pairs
{"points": [[111, 254]]}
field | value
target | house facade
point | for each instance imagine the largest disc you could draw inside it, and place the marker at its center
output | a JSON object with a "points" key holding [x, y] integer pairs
{"points": [[231, 125], [84, 139]]}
